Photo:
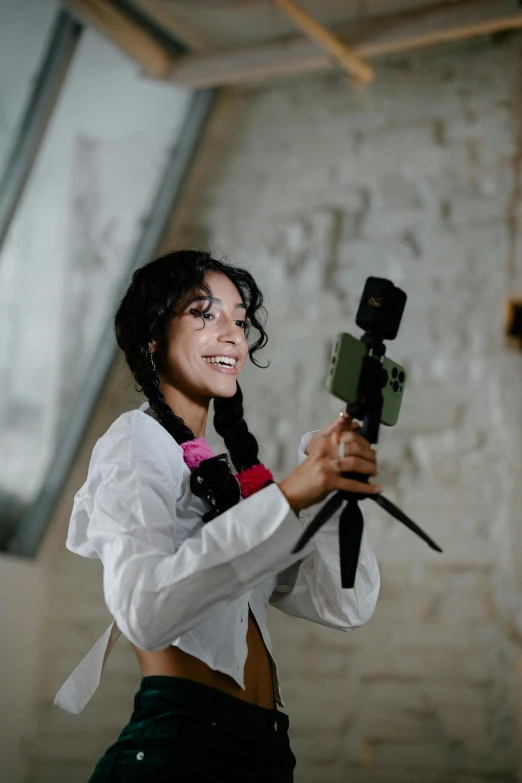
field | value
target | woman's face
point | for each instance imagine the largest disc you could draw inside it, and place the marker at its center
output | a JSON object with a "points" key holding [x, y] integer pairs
{"points": [[197, 340]]}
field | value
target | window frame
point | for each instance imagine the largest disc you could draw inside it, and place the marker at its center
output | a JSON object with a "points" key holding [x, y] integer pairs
{"points": [[54, 67]]}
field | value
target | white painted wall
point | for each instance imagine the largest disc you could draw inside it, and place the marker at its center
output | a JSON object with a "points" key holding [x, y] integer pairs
{"points": [[22, 592]]}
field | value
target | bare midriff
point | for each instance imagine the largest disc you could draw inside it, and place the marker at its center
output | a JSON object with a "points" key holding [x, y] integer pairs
{"points": [[258, 677]]}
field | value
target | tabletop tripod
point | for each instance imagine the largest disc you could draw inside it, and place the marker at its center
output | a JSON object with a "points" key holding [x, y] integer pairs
{"points": [[380, 312]]}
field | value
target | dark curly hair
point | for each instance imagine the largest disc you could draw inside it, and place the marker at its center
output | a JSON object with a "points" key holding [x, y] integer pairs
{"points": [[158, 291]]}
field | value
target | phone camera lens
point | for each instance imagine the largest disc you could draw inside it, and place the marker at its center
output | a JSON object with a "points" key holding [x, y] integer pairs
{"points": [[395, 372], [402, 377], [395, 386]]}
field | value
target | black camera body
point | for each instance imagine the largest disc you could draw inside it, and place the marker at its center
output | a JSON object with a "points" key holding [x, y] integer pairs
{"points": [[381, 307]]}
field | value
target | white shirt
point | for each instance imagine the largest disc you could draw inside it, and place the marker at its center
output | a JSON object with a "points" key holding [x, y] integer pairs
{"points": [[168, 579]]}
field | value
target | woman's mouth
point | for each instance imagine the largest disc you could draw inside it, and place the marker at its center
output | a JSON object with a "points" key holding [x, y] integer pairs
{"points": [[223, 364]]}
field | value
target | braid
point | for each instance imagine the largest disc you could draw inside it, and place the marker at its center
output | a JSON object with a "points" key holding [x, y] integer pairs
{"points": [[214, 481], [149, 384], [230, 424]]}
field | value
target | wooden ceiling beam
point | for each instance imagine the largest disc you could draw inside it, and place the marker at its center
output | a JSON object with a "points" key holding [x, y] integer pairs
{"points": [[125, 34], [173, 23], [368, 38], [339, 51]]}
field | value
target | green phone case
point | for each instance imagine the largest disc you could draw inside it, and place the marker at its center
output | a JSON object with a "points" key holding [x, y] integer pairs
{"points": [[345, 370]]}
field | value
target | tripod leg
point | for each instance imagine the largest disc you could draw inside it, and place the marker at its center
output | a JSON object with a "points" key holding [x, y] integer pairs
{"points": [[396, 512], [322, 516], [350, 535]]}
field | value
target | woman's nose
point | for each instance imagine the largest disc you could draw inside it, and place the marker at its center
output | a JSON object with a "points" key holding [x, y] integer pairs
{"points": [[232, 337], [231, 333]]}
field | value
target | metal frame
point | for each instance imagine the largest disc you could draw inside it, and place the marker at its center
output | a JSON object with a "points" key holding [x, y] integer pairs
{"points": [[32, 527], [51, 76]]}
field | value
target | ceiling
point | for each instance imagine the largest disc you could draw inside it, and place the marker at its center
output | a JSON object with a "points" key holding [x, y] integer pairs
{"points": [[228, 42], [227, 23]]}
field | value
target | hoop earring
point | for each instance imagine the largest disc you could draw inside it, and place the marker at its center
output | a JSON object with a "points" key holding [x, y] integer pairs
{"points": [[152, 362]]}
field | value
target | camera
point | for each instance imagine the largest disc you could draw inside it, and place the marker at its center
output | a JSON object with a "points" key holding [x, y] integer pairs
{"points": [[379, 314]]}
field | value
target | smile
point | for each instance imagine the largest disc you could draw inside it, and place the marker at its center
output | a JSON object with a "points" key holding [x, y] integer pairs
{"points": [[228, 360], [223, 364]]}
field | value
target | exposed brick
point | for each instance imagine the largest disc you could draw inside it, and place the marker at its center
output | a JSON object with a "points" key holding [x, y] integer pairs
{"points": [[328, 708]]}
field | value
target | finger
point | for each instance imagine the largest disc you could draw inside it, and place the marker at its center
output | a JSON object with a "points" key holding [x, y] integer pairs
{"points": [[352, 453], [348, 485], [338, 424], [360, 443], [358, 446], [357, 465]]}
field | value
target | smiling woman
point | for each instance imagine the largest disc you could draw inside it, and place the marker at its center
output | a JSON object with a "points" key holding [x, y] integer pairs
{"points": [[188, 569]]}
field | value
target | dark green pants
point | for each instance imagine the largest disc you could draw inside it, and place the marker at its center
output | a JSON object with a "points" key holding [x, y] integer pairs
{"points": [[182, 731]]}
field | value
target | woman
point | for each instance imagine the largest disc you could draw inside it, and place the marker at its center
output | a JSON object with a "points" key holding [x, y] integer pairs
{"points": [[188, 569]]}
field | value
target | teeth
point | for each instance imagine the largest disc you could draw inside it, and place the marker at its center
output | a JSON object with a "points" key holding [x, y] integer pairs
{"points": [[220, 360]]}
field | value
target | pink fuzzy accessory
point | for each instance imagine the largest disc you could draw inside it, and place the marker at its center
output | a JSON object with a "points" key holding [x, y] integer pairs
{"points": [[253, 479], [250, 480], [195, 451]]}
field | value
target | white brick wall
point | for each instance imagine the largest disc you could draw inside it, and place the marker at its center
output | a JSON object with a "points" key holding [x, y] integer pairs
{"points": [[314, 188]]}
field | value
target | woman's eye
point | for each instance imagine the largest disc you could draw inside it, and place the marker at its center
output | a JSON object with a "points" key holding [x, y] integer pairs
{"points": [[200, 314], [206, 316]]}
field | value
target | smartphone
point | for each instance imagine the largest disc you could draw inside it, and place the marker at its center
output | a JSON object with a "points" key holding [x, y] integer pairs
{"points": [[345, 372]]}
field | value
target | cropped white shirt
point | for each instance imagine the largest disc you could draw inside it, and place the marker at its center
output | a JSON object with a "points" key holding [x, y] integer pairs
{"points": [[168, 579]]}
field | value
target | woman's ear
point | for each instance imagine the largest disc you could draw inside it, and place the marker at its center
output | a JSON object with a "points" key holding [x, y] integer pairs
{"points": [[153, 346]]}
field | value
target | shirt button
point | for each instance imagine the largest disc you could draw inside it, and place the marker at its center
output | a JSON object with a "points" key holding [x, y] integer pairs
{"points": [[140, 756]]}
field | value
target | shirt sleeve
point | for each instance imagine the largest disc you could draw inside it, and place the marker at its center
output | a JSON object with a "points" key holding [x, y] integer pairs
{"points": [[311, 588], [155, 589]]}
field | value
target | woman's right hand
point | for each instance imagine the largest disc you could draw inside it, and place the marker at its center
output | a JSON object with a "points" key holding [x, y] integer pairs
{"points": [[320, 473]]}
